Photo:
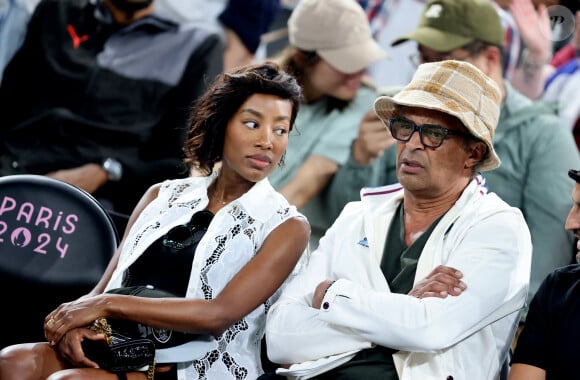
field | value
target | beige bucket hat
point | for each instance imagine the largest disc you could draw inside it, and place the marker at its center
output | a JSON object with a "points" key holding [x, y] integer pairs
{"points": [[338, 31], [456, 88]]}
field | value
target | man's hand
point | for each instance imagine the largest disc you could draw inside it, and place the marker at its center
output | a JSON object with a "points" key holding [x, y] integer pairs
{"points": [[372, 140], [320, 292], [441, 282]]}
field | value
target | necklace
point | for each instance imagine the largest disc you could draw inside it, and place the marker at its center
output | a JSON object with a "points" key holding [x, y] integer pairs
{"points": [[222, 202], [212, 194]]}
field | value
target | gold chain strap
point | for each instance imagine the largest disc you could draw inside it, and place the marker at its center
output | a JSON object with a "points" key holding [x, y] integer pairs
{"points": [[151, 370], [101, 326]]}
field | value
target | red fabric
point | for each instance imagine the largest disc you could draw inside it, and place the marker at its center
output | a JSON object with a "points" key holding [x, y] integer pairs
{"points": [[564, 55]]}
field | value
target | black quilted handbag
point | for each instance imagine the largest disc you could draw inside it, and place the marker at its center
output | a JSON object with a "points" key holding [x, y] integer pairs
{"points": [[130, 346], [119, 352]]}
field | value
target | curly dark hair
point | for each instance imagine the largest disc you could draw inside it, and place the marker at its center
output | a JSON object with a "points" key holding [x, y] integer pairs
{"points": [[214, 109]]}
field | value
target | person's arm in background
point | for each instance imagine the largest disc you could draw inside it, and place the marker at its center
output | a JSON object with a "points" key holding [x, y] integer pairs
{"points": [[317, 172], [534, 28], [330, 149], [520, 371], [236, 53], [371, 163], [372, 140], [244, 22], [310, 179]]}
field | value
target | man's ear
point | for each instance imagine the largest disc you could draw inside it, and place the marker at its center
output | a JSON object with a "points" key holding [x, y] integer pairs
{"points": [[477, 151], [492, 59]]}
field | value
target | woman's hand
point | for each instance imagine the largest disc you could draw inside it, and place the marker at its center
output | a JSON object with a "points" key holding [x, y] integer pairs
{"points": [[70, 346], [70, 315]]}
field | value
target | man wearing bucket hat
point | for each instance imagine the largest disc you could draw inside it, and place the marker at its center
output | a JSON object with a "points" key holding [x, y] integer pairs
{"points": [[530, 138], [547, 347], [349, 313], [331, 46]]}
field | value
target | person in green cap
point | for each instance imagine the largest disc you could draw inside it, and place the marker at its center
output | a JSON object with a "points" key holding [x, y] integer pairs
{"points": [[530, 139]]}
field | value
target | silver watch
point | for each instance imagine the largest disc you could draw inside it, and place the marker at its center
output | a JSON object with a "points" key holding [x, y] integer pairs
{"points": [[113, 168]]}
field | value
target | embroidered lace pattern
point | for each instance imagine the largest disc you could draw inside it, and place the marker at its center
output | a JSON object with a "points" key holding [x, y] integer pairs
{"points": [[235, 354]]}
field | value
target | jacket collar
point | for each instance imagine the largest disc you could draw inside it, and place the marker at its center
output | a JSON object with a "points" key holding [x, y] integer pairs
{"points": [[380, 204]]}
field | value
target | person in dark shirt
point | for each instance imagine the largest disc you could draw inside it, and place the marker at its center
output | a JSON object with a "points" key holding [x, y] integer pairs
{"points": [[98, 96], [547, 347]]}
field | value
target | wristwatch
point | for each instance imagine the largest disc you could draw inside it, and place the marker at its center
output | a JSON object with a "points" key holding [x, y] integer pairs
{"points": [[113, 168]]}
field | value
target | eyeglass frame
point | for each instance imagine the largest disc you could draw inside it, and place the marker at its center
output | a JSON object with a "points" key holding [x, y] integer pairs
{"points": [[419, 128], [473, 49]]}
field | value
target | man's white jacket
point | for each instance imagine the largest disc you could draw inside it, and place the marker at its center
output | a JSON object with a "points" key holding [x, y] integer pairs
{"points": [[466, 336]]}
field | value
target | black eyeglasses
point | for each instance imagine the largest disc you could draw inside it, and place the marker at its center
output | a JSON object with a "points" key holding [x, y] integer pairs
{"points": [[472, 49], [183, 236], [431, 135]]}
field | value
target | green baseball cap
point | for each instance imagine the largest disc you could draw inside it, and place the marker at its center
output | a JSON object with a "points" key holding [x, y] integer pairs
{"points": [[446, 25]]}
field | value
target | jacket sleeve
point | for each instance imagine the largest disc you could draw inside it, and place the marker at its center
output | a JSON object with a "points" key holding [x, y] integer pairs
{"points": [[496, 272], [294, 331]]}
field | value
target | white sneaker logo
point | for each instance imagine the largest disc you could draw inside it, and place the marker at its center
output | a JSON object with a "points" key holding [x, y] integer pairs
{"points": [[434, 11]]}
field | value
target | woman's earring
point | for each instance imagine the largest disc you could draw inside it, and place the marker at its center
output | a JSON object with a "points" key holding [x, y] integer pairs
{"points": [[281, 163]]}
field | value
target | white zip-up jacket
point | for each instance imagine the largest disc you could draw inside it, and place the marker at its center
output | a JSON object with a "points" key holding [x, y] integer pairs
{"points": [[465, 337]]}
